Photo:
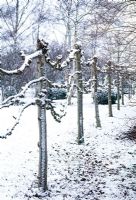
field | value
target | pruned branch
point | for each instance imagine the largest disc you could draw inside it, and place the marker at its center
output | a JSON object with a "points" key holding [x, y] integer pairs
{"points": [[58, 64]]}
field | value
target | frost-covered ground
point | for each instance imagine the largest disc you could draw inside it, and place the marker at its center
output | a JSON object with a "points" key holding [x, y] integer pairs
{"points": [[104, 168]]}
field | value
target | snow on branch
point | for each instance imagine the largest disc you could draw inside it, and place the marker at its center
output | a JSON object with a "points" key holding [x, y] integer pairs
{"points": [[71, 84], [58, 64], [71, 77], [57, 116], [17, 120], [27, 59], [17, 98]]}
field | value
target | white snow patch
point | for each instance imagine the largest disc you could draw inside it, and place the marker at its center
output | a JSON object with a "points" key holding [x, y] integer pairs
{"points": [[103, 168]]}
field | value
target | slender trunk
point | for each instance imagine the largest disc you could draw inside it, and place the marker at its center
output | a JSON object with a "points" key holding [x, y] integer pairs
{"points": [[95, 79], [132, 91], [2, 93], [71, 85], [129, 92], [70, 93], [39, 20], [118, 78], [68, 34], [109, 89], [42, 148], [122, 91], [79, 96], [118, 91], [16, 26], [42, 129]]}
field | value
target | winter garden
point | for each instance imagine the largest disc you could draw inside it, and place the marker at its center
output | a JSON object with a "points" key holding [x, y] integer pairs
{"points": [[67, 108]]}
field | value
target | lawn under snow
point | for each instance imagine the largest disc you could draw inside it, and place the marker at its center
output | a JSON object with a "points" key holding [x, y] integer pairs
{"points": [[104, 168]]}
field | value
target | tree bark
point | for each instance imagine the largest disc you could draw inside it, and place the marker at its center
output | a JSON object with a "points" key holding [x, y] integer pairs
{"points": [[95, 79], [42, 128], [72, 84], [109, 89], [122, 91], [118, 91], [79, 95]]}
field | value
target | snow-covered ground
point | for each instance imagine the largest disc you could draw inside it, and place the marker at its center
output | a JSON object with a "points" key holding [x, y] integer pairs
{"points": [[104, 168]]}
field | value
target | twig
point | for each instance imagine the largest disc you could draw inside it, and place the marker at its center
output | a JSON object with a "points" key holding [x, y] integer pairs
{"points": [[27, 61], [9, 132]]}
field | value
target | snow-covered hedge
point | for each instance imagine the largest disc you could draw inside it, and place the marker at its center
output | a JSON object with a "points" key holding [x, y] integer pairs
{"points": [[57, 93], [102, 97]]}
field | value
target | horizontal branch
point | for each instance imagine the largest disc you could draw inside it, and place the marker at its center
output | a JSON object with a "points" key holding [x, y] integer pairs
{"points": [[58, 64], [18, 97]]}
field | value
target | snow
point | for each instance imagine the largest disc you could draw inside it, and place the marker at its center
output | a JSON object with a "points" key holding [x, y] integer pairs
{"points": [[103, 168]]}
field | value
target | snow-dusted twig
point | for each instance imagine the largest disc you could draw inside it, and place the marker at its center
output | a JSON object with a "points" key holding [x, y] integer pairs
{"points": [[85, 84], [17, 98], [57, 116], [71, 77], [27, 61], [58, 64], [17, 120]]}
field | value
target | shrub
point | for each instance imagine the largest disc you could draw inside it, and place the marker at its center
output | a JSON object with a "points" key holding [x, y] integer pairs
{"points": [[57, 93], [102, 97]]}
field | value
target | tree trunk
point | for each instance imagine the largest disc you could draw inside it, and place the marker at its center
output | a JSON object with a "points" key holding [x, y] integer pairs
{"points": [[95, 79], [122, 91], [129, 92], [109, 89], [118, 91], [42, 128], [79, 95], [72, 84], [68, 32], [16, 26]]}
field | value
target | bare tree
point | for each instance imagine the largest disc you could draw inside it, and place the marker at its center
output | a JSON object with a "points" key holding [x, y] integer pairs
{"points": [[16, 18]]}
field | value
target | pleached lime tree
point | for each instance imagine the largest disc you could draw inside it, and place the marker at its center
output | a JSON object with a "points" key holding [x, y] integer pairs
{"points": [[41, 54], [41, 102]]}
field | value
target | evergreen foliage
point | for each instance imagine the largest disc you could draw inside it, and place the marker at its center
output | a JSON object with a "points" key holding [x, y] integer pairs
{"points": [[57, 93], [102, 96]]}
